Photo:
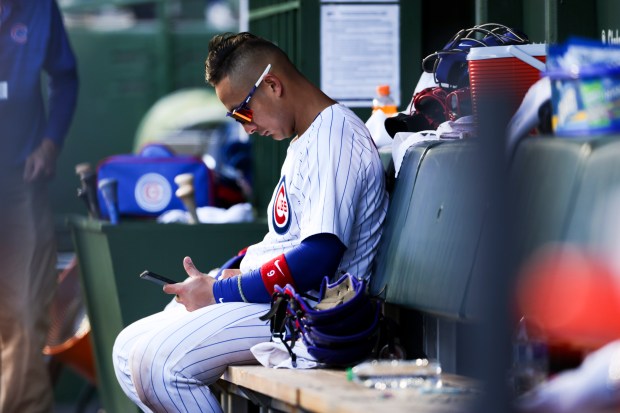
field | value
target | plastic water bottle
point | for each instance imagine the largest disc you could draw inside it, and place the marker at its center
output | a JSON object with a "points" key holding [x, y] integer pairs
{"points": [[397, 374], [383, 101], [530, 357]]}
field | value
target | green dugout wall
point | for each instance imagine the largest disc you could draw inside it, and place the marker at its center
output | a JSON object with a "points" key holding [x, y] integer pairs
{"points": [[425, 26], [123, 72]]}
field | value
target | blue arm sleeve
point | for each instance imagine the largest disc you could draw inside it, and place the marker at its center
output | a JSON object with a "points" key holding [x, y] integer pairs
{"points": [[313, 259]]}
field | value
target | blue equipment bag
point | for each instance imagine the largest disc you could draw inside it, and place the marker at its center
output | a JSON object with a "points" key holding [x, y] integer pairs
{"points": [[145, 182]]}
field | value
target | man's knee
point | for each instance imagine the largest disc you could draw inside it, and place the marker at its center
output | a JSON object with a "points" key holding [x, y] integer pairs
{"points": [[133, 364], [120, 350], [126, 348]]}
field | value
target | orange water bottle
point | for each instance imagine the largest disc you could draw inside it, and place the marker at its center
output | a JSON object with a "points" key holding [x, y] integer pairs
{"points": [[383, 101]]}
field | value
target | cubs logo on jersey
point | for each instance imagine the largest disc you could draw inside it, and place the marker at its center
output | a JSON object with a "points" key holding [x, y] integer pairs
{"points": [[281, 214]]}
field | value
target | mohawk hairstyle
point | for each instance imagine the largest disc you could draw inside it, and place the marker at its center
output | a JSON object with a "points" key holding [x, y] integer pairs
{"points": [[229, 53]]}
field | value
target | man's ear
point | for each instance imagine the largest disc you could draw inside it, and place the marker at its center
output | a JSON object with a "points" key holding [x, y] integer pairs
{"points": [[274, 84]]}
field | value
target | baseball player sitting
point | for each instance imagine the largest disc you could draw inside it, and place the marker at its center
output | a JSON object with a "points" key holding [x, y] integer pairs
{"points": [[325, 218]]}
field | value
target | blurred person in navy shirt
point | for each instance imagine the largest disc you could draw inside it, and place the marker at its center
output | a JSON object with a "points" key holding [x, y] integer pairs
{"points": [[33, 123]]}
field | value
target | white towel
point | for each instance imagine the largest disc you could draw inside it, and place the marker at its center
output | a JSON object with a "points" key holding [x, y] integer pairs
{"points": [[274, 354], [211, 215]]}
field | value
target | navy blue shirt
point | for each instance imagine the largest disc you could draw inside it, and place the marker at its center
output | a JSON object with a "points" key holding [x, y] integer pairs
{"points": [[33, 40]]}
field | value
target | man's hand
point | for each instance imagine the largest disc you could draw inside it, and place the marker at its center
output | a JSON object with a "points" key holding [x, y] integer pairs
{"points": [[42, 161], [196, 291], [229, 272]]}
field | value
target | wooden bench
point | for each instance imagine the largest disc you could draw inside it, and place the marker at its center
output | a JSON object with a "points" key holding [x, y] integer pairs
{"points": [[430, 266], [327, 390]]}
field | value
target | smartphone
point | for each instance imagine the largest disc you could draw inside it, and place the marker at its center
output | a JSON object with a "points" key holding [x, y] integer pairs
{"points": [[156, 278]]}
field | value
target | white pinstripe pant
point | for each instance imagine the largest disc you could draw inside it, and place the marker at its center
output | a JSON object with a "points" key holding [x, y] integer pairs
{"points": [[165, 362]]}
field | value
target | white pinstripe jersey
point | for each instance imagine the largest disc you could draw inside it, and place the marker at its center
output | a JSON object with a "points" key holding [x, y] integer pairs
{"points": [[332, 181]]}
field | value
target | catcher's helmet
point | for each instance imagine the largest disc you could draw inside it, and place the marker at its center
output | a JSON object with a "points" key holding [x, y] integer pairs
{"points": [[449, 65]]}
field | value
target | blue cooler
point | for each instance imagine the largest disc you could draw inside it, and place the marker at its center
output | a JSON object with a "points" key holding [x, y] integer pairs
{"points": [[145, 182]]}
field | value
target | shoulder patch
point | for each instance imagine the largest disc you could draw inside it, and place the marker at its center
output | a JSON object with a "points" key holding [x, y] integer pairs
{"points": [[281, 214]]}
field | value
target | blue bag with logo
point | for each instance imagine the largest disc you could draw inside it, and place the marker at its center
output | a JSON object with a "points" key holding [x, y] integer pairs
{"points": [[145, 182]]}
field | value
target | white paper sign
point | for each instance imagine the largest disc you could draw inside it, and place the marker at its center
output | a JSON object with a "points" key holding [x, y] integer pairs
{"points": [[360, 49]]}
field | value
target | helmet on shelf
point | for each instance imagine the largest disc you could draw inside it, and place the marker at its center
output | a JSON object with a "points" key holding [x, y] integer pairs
{"points": [[449, 65]]}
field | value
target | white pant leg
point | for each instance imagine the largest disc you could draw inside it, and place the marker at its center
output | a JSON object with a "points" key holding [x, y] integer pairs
{"points": [[123, 346], [166, 362]]}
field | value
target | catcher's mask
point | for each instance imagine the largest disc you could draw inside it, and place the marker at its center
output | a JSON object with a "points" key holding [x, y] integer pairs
{"points": [[340, 330], [430, 108]]}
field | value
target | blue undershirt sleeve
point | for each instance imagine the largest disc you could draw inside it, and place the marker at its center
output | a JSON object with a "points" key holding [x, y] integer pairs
{"points": [[316, 257]]}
